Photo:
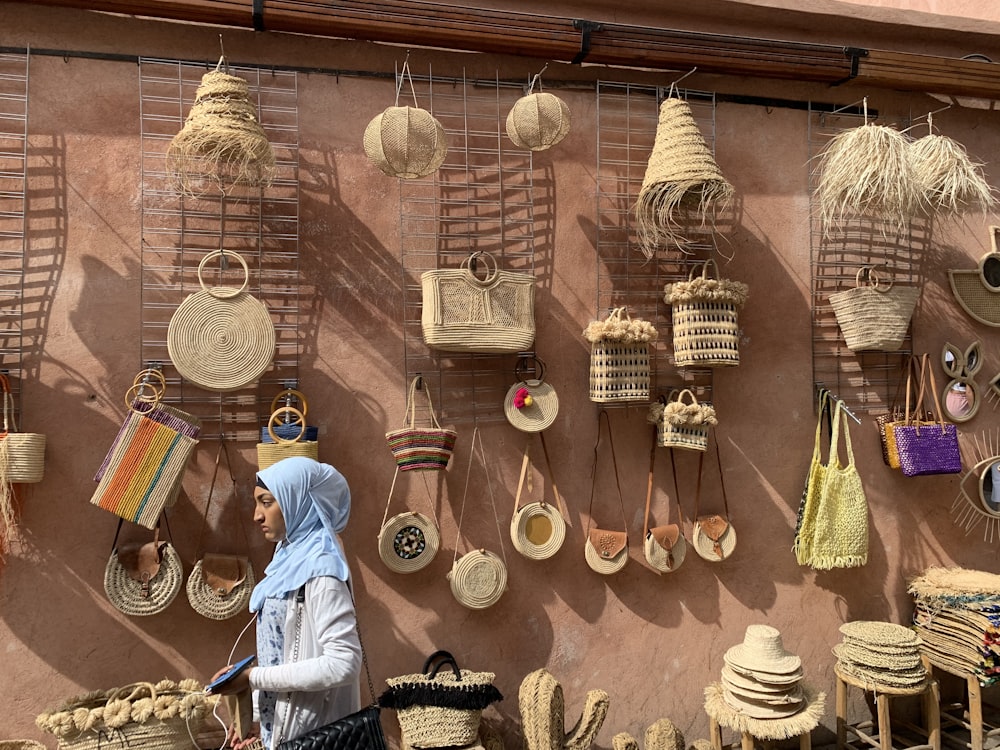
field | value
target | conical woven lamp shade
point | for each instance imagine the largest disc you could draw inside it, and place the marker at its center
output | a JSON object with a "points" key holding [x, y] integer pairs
{"points": [[538, 121], [222, 141], [681, 173], [406, 142]]}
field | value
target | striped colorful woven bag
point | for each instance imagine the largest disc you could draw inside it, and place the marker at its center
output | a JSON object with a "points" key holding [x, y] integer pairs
{"points": [[421, 447]]}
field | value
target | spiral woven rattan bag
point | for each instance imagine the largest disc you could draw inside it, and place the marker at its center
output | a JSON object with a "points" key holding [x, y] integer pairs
{"points": [[408, 541], [221, 338], [531, 404], [713, 537], [143, 579], [163, 716], [873, 316], [537, 529], [705, 318], [462, 312], [619, 357], [442, 705], [22, 454]]}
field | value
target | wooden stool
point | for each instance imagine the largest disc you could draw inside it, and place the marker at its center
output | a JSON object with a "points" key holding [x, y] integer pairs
{"points": [[747, 740], [972, 718], [882, 739]]}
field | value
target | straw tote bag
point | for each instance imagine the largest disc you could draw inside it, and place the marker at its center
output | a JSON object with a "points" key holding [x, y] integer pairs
{"points": [[462, 312], [664, 546], [479, 578], [143, 579], [872, 316], [805, 522], [22, 454], [408, 541], [531, 404], [605, 551], [929, 447], [416, 448], [278, 448], [682, 424], [714, 537], [619, 357], [219, 585], [288, 428], [221, 338], [537, 529]]}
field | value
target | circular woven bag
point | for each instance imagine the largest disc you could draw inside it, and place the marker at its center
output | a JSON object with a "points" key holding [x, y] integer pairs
{"points": [[218, 605], [406, 142], [478, 579], [408, 542], [657, 557], [126, 593], [538, 121], [221, 338], [705, 546], [538, 530], [604, 565], [542, 411]]}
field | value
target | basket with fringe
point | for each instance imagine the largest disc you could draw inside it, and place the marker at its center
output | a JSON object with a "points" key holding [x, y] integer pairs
{"points": [[705, 319], [874, 317], [681, 424], [619, 357], [441, 706], [163, 716]]}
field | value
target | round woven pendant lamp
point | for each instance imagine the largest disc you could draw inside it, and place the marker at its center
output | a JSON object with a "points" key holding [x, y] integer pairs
{"points": [[221, 338], [538, 121], [222, 142], [406, 142]]}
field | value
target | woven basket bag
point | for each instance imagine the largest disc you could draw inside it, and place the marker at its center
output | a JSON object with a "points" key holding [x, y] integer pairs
{"points": [[143, 579], [221, 338], [619, 357], [442, 705], [872, 316], [416, 448], [704, 315], [163, 716], [682, 423], [462, 312], [22, 454], [272, 452], [408, 541]]}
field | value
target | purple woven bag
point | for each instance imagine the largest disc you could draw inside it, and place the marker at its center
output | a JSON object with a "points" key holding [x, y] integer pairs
{"points": [[928, 449]]}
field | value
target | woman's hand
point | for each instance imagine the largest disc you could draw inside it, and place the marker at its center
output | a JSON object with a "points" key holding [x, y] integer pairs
{"points": [[238, 743], [238, 684]]}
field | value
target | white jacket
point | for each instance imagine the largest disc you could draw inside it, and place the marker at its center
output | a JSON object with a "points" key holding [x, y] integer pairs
{"points": [[321, 685]]}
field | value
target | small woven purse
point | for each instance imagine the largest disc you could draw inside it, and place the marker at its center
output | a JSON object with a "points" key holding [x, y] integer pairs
{"points": [[421, 448], [714, 537], [619, 357], [664, 546], [537, 529], [605, 551], [680, 424], [531, 404], [143, 579]]}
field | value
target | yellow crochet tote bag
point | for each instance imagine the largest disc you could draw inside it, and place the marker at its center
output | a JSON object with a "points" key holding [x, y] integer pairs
{"points": [[805, 526]]}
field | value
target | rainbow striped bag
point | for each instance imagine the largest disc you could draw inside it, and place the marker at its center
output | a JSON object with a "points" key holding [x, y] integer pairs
{"points": [[421, 447], [142, 472]]}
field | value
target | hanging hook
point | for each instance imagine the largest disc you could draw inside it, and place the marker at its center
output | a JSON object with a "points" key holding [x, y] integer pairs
{"points": [[223, 63], [673, 84], [531, 86]]}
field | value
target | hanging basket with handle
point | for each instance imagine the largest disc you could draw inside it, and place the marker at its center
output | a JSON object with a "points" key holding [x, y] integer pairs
{"points": [[22, 454], [874, 316], [619, 357]]}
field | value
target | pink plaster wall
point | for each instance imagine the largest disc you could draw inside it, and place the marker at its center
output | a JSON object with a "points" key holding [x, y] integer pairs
{"points": [[653, 643]]}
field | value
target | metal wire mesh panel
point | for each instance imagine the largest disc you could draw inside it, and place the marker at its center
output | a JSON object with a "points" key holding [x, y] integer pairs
{"points": [[627, 117], [262, 225], [481, 199], [13, 178], [865, 381]]}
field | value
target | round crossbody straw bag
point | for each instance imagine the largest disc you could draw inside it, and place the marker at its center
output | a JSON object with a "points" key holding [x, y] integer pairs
{"points": [[531, 404], [664, 546], [221, 338], [143, 579], [479, 578], [714, 537], [537, 529], [408, 541], [605, 551]]}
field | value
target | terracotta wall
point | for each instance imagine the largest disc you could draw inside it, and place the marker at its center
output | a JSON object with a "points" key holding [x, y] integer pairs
{"points": [[653, 643]]}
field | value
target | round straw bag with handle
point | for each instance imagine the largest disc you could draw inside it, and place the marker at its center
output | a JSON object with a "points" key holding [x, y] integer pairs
{"points": [[442, 705], [408, 541], [271, 453], [874, 316], [22, 454], [478, 578], [221, 338], [219, 585], [537, 529], [663, 546], [714, 537], [531, 404], [421, 448], [143, 579], [605, 551]]}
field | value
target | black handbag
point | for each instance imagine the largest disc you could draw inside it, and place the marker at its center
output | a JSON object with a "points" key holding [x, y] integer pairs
{"points": [[361, 730]]}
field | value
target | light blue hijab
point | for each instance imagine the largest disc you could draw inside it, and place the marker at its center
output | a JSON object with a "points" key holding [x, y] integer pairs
{"points": [[315, 501]]}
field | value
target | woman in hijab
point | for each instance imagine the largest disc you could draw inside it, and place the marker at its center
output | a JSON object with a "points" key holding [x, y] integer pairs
{"points": [[308, 653]]}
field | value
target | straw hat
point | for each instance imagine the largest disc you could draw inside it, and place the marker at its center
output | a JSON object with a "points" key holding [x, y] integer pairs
{"points": [[538, 530], [539, 405], [876, 658], [759, 709], [732, 678], [793, 694], [406, 142], [408, 542], [538, 121], [762, 651], [478, 579]]}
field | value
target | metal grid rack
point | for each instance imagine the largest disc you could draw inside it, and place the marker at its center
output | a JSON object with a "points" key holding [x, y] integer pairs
{"points": [[865, 381], [13, 205], [262, 225], [483, 198], [627, 116]]}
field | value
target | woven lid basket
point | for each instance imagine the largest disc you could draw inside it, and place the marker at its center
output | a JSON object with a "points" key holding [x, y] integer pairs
{"points": [[478, 579], [538, 121], [221, 338]]}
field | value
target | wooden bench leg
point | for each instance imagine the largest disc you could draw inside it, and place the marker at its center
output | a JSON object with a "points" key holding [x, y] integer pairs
{"points": [[805, 741], [932, 714], [975, 711], [746, 741], [715, 733], [841, 714]]}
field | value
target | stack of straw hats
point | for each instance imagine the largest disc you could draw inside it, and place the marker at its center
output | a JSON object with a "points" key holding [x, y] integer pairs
{"points": [[880, 654], [760, 678]]}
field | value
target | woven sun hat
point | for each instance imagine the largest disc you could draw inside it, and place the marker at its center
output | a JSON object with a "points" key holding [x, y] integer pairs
{"points": [[732, 678], [792, 695], [221, 338], [762, 651], [538, 121], [478, 579], [761, 709], [531, 404]]}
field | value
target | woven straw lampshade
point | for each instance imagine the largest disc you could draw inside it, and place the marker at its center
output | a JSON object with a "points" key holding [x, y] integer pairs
{"points": [[406, 142], [222, 141], [681, 173], [538, 121]]}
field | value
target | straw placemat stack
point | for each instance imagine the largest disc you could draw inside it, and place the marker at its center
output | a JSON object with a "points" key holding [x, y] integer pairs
{"points": [[880, 655], [957, 615]]}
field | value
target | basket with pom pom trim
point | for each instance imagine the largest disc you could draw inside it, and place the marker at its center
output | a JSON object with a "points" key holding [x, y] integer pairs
{"points": [[619, 357]]}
